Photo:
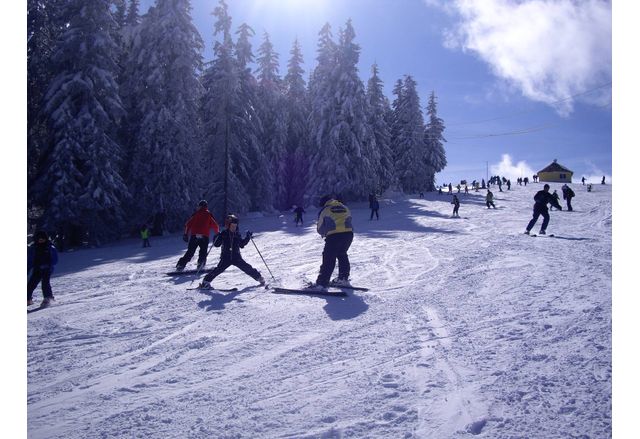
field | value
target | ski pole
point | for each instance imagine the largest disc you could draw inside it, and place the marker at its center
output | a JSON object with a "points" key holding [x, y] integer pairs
{"points": [[265, 263]]}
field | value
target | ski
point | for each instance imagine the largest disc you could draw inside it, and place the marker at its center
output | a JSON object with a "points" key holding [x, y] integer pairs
{"points": [[349, 287], [178, 273], [223, 290], [310, 292], [548, 236]]}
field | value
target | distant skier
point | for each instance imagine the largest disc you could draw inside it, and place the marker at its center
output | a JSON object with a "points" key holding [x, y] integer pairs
{"points": [[42, 257], [556, 196], [374, 205], [490, 200], [334, 225], [198, 227], [231, 241], [299, 210], [583, 180], [456, 206], [568, 194], [602, 180], [144, 234], [542, 198]]}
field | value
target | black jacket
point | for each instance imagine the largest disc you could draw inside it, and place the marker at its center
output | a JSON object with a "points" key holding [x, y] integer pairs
{"points": [[231, 243], [542, 198]]}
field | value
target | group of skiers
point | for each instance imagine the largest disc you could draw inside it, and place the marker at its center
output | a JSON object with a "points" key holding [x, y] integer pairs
{"points": [[334, 225]]}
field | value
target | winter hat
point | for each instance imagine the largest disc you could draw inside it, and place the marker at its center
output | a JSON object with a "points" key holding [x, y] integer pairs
{"points": [[40, 234], [546, 186], [202, 203]]}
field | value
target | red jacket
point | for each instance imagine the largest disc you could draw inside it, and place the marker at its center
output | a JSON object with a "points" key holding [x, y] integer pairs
{"points": [[200, 223]]}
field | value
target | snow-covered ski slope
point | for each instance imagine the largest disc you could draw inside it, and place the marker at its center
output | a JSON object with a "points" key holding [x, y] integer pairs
{"points": [[471, 329]]}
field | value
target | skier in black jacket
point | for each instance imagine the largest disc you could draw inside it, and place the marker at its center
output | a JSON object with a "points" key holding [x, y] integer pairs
{"points": [[231, 242], [42, 257], [542, 198]]}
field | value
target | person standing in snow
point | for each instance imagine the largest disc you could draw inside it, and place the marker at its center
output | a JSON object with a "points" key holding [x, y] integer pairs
{"points": [[299, 210], [490, 200], [568, 194], [374, 205], [583, 180], [42, 257], [144, 234], [542, 198], [602, 182], [198, 227], [334, 225], [230, 242], [556, 196], [456, 206]]}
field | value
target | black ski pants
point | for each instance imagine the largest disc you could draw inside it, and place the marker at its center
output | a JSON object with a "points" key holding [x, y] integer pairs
{"points": [[195, 242], [374, 211], [38, 276], [569, 208], [536, 214], [238, 262], [335, 247]]}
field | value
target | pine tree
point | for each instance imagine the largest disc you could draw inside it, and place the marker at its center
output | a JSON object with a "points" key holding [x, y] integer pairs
{"points": [[82, 186], [344, 162], [163, 90], [296, 171], [436, 158], [274, 133], [408, 137], [378, 120], [230, 120]]}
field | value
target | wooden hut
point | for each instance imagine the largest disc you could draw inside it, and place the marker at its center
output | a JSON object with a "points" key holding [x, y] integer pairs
{"points": [[556, 173]]}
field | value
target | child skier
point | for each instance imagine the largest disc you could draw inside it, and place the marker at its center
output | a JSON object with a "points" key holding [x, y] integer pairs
{"points": [[490, 199], [456, 206], [42, 257], [144, 234], [231, 242]]}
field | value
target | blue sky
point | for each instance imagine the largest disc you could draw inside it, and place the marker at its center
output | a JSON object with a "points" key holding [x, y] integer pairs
{"points": [[519, 83]]}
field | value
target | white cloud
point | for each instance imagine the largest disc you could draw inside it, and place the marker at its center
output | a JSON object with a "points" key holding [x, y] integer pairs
{"points": [[506, 168], [550, 50]]}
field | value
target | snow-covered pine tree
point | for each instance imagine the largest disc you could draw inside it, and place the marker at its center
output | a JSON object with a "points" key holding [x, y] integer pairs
{"points": [[378, 120], [436, 158], [163, 90], [345, 154], [230, 120], [43, 29], [274, 132], [297, 141], [82, 186], [408, 137], [133, 13]]}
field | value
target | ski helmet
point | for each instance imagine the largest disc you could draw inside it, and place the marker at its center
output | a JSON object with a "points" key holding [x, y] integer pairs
{"points": [[230, 219], [202, 203]]}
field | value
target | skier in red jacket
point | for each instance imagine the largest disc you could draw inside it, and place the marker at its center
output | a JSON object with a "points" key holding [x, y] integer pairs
{"points": [[198, 227]]}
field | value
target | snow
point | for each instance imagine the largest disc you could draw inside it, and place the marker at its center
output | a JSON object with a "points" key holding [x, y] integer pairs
{"points": [[470, 329]]}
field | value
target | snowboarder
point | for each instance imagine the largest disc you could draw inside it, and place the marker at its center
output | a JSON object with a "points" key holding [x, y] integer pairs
{"points": [[231, 241], [542, 198], [334, 225], [374, 205], [144, 234], [568, 194], [490, 200], [456, 206], [299, 210], [556, 196], [42, 257], [198, 227]]}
